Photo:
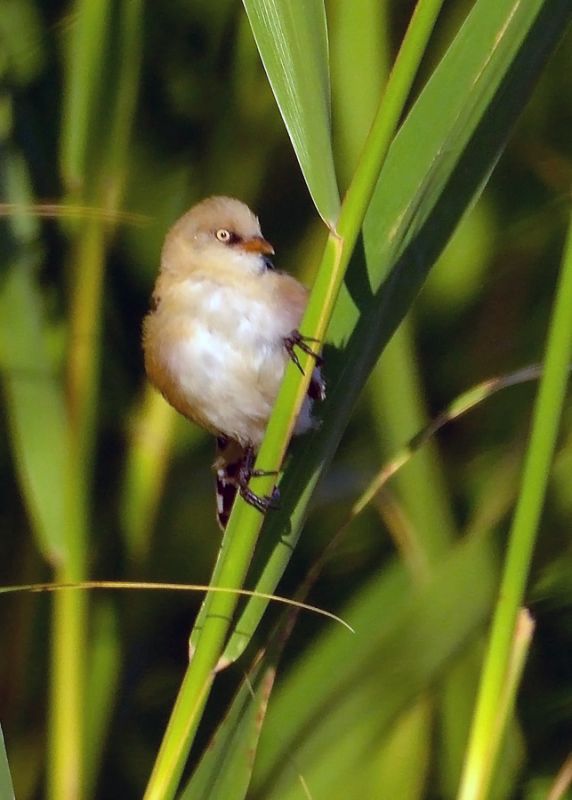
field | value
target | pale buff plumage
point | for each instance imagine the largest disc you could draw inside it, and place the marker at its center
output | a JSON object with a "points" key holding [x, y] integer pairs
{"points": [[214, 342]]}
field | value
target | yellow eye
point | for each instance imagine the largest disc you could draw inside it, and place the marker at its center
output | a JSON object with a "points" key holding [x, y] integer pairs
{"points": [[223, 235]]}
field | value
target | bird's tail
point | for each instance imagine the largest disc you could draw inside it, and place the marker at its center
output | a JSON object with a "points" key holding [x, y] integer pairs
{"points": [[229, 464]]}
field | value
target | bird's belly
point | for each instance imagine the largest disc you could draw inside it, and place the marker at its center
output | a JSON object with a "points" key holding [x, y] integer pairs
{"points": [[220, 358], [230, 383]]}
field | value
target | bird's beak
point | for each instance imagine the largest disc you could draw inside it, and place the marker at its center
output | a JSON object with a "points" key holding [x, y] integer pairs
{"points": [[257, 244]]}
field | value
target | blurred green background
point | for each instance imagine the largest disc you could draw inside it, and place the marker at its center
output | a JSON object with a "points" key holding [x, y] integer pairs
{"points": [[127, 115]]}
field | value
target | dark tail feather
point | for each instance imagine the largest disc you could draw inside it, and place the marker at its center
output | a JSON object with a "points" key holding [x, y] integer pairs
{"points": [[317, 387], [230, 460]]}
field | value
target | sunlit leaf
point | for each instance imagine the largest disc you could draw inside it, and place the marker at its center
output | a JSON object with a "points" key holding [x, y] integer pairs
{"points": [[292, 39]]}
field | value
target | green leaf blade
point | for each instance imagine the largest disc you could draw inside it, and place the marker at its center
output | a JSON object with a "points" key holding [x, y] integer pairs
{"points": [[225, 769], [29, 377], [292, 41]]}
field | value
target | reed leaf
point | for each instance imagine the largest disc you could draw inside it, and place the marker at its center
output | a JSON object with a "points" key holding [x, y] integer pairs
{"points": [[6, 788], [292, 40], [436, 168]]}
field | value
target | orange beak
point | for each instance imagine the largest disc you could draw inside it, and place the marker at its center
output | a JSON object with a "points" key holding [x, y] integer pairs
{"points": [[257, 245]]}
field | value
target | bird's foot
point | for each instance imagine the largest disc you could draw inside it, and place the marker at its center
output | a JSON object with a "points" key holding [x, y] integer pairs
{"points": [[296, 339], [262, 503]]}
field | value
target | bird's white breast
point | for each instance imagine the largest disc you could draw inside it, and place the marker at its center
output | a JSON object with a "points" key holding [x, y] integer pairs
{"points": [[228, 356]]}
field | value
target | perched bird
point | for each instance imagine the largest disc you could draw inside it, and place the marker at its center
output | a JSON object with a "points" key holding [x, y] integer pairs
{"points": [[217, 340]]}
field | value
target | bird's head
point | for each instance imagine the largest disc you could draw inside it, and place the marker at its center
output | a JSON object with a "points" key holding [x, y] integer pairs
{"points": [[217, 231]]}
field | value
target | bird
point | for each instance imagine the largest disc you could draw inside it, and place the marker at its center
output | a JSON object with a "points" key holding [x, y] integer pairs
{"points": [[222, 326]]}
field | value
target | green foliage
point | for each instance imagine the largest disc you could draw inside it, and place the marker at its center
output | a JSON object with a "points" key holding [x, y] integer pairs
{"points": [[292, 40], [6, 788], [115, 118], [31, 382]]}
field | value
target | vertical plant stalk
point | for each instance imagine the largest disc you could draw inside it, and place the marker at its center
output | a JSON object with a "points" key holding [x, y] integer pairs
{"points": [[244, 525], [83, 147], [83, 356], [66, 734], [83, 87], [486, 737], [69, 622], [69, 625]]}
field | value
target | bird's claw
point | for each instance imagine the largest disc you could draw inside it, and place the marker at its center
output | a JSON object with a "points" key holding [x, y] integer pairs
{"points": [[296, 339], [263, 503]]}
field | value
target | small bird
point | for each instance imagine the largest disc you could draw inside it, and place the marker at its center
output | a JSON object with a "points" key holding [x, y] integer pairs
{"points": [[223, 325]]}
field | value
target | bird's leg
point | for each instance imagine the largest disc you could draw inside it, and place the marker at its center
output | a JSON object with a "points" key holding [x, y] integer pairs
{"points": [[262, 503], [317, 387], [234, 467], [245, 472], [295, 339]]}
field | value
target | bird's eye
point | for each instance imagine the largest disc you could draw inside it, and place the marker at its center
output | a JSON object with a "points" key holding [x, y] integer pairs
{"points": [[223, 235]]}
